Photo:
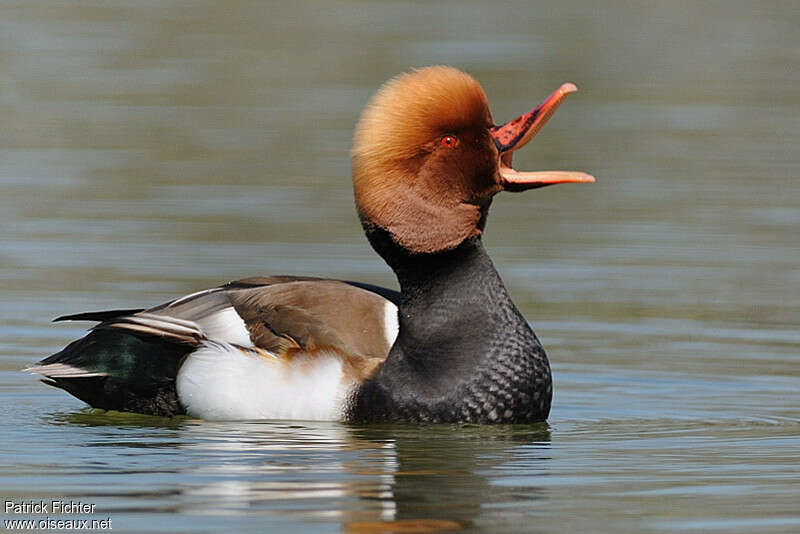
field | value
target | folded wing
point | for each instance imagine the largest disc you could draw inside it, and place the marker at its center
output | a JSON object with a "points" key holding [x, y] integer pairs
{"points": [[130, 360]]}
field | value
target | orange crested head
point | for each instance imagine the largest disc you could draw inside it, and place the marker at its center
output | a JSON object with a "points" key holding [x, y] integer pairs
{"points": [[427, 159], [413, 108]]}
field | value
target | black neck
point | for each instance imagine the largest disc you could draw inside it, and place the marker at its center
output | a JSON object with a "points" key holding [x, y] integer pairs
{"points": [[463, 352]]}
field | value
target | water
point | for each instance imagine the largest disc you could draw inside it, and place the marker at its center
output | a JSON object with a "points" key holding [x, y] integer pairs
{"points": [[155, 148]]}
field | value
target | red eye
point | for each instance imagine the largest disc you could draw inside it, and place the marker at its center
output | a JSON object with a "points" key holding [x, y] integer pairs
{"points": [[449, 140]]}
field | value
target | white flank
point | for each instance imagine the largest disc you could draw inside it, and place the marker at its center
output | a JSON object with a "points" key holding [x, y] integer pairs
{"points": [[225, 325], [221, 382], [391, 325]]}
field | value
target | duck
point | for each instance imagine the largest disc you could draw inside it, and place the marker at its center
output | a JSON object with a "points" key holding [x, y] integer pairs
{"points": [[449, 347]]}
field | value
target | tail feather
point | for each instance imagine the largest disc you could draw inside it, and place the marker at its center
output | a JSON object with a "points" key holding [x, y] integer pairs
{"points": [[121, 369], [62, 370]]}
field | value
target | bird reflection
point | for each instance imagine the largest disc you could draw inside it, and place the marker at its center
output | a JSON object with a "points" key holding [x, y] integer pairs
{"points": [[397, 478], [452, 477], [392, 478]]}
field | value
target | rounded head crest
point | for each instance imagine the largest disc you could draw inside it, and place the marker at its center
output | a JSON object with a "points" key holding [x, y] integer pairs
{"points": [[424, 165], [413, 107]]}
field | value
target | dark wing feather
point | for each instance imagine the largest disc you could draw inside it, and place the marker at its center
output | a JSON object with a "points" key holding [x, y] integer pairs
{"points": [[98, 316]]}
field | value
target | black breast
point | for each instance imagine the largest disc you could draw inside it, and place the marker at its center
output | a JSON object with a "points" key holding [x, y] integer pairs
{"points": [[464, 352]]}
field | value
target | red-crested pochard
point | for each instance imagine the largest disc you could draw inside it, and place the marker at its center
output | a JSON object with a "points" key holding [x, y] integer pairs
{"points": [[450, 346]]}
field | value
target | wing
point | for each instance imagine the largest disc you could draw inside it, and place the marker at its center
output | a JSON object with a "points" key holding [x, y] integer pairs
{"points": [[277, 314], [273, 313], [130, 360]]}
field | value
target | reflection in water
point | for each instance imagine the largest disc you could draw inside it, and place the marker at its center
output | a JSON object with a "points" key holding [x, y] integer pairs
{"points": [[362, 477], [403, 478], [444, 473]]}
